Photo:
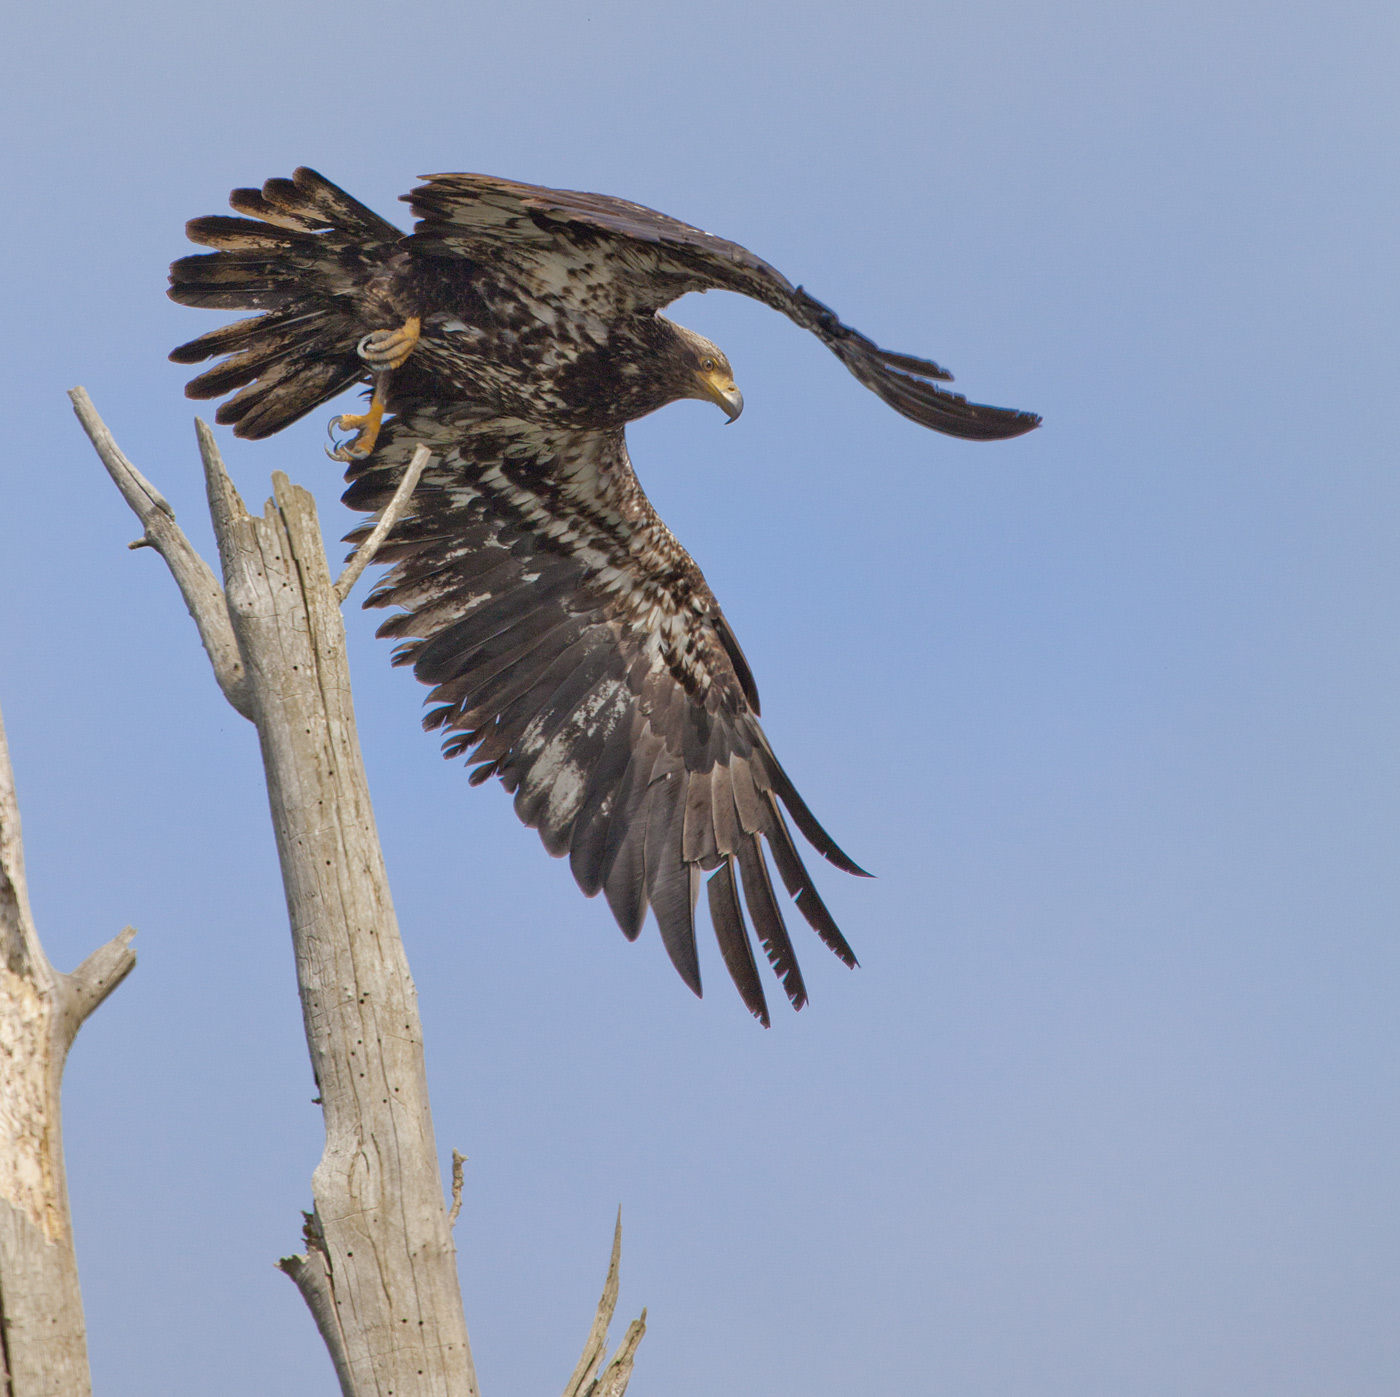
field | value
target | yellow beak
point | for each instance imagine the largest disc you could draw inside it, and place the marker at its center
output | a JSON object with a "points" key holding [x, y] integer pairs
{"points": [[719, 388]]}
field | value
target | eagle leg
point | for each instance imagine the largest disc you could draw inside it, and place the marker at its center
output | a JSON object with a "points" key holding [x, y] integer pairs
{"points": [[368, 424], [385, 350]]}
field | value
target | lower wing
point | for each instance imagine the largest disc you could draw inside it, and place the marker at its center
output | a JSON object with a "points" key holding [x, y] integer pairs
{"points": [[577, 654]]}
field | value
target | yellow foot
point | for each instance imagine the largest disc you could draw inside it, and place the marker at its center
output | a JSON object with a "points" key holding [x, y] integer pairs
{"points": [[368, 423], [385, 350]]}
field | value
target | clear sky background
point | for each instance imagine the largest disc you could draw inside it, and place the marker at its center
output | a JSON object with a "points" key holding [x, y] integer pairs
{"points": [[1109, 1109]]}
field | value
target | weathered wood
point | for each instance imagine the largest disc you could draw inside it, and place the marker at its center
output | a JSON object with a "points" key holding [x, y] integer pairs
{"points": [[382, 1266], [612, 1381], [379, 1273], [379, 1270], [43, 1344]]}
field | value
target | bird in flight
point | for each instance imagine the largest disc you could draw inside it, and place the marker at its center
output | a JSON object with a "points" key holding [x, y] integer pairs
{"points": [[573, 646]]}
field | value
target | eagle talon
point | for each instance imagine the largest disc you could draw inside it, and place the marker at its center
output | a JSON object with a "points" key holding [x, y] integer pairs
{"points": [[346, 449], [367, 423], [385, 350]]}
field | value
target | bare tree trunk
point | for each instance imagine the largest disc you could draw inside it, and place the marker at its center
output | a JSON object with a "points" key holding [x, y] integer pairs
{"points": [[43, 1345], [379, 1271]]}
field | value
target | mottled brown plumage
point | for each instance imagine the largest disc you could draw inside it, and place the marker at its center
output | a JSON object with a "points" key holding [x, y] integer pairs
{"points": [[574, 648]]}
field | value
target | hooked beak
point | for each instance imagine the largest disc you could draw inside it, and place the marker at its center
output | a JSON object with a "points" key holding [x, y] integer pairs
{"points": [[719, 388]]}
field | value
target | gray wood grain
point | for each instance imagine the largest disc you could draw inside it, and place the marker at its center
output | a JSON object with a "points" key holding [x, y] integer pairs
{"points": [[379, 1269]]}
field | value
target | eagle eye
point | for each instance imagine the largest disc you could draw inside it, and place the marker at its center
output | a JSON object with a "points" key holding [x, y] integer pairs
{"points": [[707, 364]]}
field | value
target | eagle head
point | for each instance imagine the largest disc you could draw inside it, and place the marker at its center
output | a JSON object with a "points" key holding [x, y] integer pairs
{"points": [[697, 368]]}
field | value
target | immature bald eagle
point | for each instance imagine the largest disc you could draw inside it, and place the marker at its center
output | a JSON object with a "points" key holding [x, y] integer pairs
{"points": [[573, 645]]}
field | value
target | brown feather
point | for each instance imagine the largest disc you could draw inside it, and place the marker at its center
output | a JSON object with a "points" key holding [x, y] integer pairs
{"points": [[733, 938]]}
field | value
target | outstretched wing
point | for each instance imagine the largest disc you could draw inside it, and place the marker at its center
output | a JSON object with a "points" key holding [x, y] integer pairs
{"points": [[627, 258], [576, 652]]}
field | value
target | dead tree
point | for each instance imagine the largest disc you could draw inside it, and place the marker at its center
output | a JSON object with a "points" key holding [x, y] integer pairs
{"points": [[43, 1345], [379, 1270]]}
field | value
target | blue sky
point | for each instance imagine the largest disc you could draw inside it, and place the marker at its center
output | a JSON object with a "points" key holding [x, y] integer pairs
{"points": [[1111, 711]]}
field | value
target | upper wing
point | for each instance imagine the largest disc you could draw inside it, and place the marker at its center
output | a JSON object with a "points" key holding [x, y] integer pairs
{"points": [[577, 653], [569, 243]]}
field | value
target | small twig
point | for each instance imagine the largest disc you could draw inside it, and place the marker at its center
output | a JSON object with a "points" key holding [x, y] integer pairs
{"points": [[194, 577], [458, 1160], [139, 492], [97, 977], [364, 554]]}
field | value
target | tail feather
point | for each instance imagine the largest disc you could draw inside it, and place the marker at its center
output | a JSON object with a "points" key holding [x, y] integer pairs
{"points": [[251, 271], [244, 234], [240, 335], [271, 347], [309, 201], [250, 296], [284, 393], [255, 205], [301, 254]]}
